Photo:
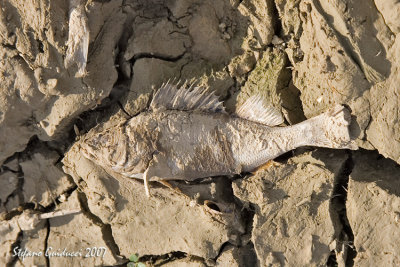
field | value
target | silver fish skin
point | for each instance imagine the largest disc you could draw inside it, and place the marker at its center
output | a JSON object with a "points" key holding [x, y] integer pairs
{"points": [[186, 145]]}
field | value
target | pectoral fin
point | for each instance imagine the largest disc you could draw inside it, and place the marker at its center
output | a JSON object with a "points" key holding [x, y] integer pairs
{"points": [[157, 170]]}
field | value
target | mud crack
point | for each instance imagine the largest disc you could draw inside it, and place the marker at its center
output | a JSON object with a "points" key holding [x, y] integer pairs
{"points": [[160, 260], [157, 56], [344, 246], [46, 241], [16, 244], [106, 229]]}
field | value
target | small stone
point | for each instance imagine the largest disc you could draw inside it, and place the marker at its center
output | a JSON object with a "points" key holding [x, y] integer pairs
{"points": [[62, 198], [192, 203], [397, 217], [226, 36], [52, 83], [276, 40]]}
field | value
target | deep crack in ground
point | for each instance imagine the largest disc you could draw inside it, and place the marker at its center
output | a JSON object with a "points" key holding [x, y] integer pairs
{"points": [[106, 229], [345, 238]]}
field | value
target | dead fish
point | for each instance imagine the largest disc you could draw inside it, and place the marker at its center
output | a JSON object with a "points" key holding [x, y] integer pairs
{"points": [[186, 134]]}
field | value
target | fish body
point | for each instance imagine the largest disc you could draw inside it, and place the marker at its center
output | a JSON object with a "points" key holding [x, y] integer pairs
{"points": [[190, 144]]}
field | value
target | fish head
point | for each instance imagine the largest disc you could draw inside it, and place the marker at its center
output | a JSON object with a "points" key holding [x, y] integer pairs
{"points": [[105, 148]]}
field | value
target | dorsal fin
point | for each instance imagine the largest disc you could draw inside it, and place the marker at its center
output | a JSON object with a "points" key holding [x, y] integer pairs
{"points": [[256, 109], [169, 96]]}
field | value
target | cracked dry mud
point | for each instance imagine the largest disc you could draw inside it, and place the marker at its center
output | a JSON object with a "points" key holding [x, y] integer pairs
{"points": [[319, 207]]}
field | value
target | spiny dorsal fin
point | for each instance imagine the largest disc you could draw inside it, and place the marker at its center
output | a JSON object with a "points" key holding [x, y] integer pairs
{"points": [[256, 109], [169, 96]]}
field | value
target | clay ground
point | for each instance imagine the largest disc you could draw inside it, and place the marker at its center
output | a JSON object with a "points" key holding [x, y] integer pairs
{"points": [[319, 207]]}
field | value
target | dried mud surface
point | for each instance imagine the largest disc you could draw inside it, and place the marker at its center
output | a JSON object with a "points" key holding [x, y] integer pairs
{"points": [[317, 207]]}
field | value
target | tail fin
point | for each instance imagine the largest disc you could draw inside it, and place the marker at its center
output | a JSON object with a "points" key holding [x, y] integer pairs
{"points": [[331, 129]]}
